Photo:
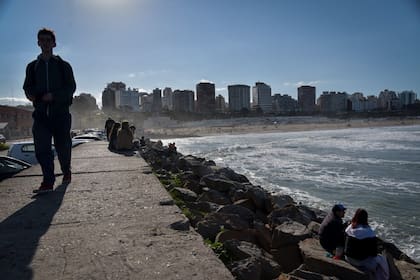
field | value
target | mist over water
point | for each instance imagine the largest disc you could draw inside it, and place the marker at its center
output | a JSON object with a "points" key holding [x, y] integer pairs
{"points": [[374, 168]]}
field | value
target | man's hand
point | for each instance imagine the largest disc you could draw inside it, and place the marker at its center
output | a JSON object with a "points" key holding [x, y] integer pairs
{"points": [[47, 97]]}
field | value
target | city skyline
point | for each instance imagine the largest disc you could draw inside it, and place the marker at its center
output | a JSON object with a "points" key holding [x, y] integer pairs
{"points": [[362, 46]]}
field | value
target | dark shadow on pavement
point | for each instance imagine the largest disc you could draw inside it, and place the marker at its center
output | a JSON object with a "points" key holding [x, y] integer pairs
{"points": [[20, 233]]}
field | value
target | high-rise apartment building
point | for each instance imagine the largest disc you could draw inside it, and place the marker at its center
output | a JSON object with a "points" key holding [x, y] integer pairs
{"points": [[388, 100], [108, 95], [127, 100], [261, 97], [306, 99], [332, 102], [239, 97], [183, 101], [407, 97], [167, 100], [206, 103], [220, 104], [284, 104], [157, 100]]}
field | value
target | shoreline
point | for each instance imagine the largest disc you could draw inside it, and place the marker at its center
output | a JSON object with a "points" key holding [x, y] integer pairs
{"points": [[246, 126]]}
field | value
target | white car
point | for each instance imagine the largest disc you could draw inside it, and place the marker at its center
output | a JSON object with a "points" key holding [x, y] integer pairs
{"points": [[26, 150]]}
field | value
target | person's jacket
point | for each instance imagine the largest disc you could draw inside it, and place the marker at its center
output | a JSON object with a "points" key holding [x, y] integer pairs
{"points": [[331, 232], [124, 139], [54, 76], [361, 242]]}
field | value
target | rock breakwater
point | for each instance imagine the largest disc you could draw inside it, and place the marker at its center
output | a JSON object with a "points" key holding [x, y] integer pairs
{"points": [[257, 234]]}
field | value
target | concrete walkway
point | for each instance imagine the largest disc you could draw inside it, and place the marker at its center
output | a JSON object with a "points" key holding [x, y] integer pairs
{"points": [[107, 224]]}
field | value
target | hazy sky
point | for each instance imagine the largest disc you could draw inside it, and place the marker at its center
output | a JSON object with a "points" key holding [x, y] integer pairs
{"points": [[357, 45]]}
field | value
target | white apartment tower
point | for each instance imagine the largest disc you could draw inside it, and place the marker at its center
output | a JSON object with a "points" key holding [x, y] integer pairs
{"points": [[261, 97]]}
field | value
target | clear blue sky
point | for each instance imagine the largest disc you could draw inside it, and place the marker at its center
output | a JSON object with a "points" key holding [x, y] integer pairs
{"points": [[357, 45]]}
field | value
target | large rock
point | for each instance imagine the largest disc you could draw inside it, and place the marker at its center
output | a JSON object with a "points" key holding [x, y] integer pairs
{"points": [[243, 250], [184, 194], [408, 271], [247, 203], [260, 197], [289, 257], [246, 269], [290, 212], [281, 201], [289, 233], [213, 223], [315, 260], [248, 235], [263, 235], [214, 196], [203, 206], [218, 183], [194, 186], [308, 275], [243, 212], [230, 174]]}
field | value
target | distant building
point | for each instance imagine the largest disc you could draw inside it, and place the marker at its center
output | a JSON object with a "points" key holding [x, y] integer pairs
{"points": [[407, 98], [306, 99], [261, 97], [146, 101], [332, 102], [15, 122], [239, 97], [358, 102], [128, 100], [371, 103], [220, 104], [167, 100], [108, 95], [157, 100], [183, 101], [284, 104], [206, 103], [388, 100]]}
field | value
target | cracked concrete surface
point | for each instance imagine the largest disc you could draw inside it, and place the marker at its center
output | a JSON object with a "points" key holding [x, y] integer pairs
{"points": [[109, 223]]}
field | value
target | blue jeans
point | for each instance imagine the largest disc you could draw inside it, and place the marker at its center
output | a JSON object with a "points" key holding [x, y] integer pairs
{"points": [[44, 130]]}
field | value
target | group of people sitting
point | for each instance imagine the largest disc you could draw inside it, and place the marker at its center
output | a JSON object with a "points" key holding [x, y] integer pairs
{"points": [[355, 242], [120, 135]]}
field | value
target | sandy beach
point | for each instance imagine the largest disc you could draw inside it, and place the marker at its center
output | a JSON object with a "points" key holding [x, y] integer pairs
{"points": [[272, 124]]}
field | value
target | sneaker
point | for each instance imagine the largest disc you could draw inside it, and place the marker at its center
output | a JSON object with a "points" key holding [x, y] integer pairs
{"points": [[44, 188], [67, 178]]}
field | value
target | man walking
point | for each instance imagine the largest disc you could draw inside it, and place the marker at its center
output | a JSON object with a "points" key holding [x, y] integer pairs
{"points": [[49, 84]]}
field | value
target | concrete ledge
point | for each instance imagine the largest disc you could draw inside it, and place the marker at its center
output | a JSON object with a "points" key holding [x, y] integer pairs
{"points": [[107, 224]]}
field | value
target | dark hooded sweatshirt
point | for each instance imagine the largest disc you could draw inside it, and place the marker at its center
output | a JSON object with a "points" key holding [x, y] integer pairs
{"points": [[54, 76]]}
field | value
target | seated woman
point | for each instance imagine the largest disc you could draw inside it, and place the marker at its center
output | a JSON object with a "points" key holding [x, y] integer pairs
{"points": [[125, 137], [361, 247]]}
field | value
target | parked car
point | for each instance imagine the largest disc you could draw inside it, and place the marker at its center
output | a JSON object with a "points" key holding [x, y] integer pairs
{"points": [[10, 166], [89, 136], [26, 150], [23, 151], [2, 139]]}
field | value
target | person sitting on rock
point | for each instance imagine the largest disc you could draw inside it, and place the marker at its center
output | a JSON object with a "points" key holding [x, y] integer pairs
{"points": [[331, 232], [113, 136], [125, 137], [361, 247]]}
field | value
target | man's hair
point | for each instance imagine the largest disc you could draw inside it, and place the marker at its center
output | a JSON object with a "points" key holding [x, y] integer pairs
{"points": [[46, 31]]}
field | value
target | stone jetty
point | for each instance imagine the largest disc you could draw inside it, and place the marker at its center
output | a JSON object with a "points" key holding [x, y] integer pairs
{"points": [[257, 234]]}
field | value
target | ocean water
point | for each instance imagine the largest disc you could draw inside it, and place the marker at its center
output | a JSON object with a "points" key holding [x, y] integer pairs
{"points": [[373, 168]]}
